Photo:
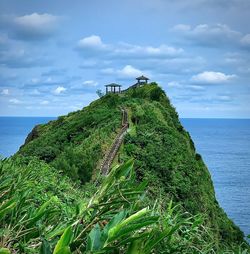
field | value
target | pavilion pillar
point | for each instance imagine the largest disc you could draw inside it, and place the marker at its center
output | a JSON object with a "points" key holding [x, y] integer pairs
{"points": [[113, 88]]}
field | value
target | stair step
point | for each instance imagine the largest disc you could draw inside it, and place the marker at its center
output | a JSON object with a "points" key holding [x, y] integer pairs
{"points": [[108, 159]]}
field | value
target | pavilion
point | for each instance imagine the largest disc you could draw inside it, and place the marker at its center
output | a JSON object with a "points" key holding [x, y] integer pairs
{"points": [[113, 88], [142, 80]]}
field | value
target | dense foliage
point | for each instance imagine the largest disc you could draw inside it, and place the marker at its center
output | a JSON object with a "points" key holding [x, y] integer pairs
{"points": [[41, 212], [164, 155], [76, 143]]}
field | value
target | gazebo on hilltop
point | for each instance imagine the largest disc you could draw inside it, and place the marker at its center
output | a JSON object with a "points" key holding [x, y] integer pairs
{"points": [[142, 80], [113, 88]]}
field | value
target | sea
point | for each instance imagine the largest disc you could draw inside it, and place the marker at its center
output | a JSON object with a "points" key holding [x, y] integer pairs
{"points": [[224, 145]]}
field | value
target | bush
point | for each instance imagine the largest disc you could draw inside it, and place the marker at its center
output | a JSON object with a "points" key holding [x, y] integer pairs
{"points": [[117, 219]]}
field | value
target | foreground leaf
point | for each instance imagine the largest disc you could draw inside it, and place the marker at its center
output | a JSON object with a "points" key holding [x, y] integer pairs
{"points": [[63, 243]]}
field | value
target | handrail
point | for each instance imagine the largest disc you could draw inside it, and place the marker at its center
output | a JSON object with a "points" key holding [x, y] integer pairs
{"points": [[110, 155]]}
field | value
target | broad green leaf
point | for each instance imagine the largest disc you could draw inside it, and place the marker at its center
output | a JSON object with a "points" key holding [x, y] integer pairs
{"points": [[59, 230], [128, 229], [7, 203], [40, 212], [64, 240], [124, 169], [116, 173], [114, 221], [64, 250], [95, 242], [7, 209], [132, 223], [166, 233], [4, 251], [136, 247], [45, 247]]}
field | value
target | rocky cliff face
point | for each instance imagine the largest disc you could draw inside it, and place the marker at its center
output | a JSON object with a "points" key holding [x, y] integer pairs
{"points": [[164, 153]]}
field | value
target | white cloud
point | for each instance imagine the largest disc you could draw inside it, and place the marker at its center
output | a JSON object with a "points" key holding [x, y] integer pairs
{"points": [[245, 40], [130, 50], [59, 90], [209, 35], [211, 77], [182, 28], [215, 30], [15, 101], [90, 83], [224, 98], [129, 72], [93, 45], [196, 88], [49, 80], [19, 58], [5, 92], [174, 84], [35, 80], [44, 102], [36, 21], [92, 41], [33, 26]]}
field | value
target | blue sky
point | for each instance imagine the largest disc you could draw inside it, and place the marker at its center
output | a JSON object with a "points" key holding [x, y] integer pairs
{"points": [[54, 55]]}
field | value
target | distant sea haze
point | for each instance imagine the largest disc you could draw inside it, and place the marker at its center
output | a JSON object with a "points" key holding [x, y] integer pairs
{"points": [[223, 143]]}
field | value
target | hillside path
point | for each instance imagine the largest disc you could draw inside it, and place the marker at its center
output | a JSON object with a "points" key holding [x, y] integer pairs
{"points": [[110, 155]]}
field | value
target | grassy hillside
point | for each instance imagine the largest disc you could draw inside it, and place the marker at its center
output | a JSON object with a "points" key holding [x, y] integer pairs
{"points": [[164, 154], [76, 143], [42, 211]]}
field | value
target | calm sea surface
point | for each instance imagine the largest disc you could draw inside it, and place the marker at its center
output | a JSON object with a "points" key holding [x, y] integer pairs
{"points": [[14, 130], [225, 147], [223, 143]]}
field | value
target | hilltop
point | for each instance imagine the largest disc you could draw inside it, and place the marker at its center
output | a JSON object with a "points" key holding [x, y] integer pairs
{"points": [[164, 153]]}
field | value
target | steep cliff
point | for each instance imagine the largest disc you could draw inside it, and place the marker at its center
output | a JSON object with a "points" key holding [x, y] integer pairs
{"points": [[164, 153]]}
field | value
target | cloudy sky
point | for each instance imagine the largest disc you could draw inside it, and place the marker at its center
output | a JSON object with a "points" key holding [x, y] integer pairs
{"points": [[54, 55]]}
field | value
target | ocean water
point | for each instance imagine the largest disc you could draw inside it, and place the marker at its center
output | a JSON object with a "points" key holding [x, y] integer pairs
{"points": [[14, 130], [223, 143], [225, 147]]}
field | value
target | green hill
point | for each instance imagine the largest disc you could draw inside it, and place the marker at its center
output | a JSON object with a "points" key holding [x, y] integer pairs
{"points": [[163, 151]]}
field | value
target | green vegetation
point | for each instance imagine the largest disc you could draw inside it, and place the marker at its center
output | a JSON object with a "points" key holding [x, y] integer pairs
{"points": [[76, 143], [118, 213], [41, 212], [165, 156]]}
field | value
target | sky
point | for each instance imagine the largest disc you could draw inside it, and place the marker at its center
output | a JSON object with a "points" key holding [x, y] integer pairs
{"points": [[55, 54]]}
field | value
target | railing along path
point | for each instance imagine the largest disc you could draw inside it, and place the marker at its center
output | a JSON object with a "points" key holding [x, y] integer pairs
{"points": [[109, 157]]}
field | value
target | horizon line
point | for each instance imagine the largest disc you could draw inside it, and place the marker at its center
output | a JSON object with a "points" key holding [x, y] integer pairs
{"points": [[229, 118]]}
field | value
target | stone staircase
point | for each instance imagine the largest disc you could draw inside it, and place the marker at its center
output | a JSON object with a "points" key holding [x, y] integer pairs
{"points": [[109, 157]]}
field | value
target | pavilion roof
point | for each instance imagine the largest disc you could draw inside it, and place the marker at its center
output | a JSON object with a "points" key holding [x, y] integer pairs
{"points": [[142, 78], [113, 85]]}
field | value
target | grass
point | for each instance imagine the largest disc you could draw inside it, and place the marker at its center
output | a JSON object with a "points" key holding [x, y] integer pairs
{"points": [[164, 154], [116, 217]]}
